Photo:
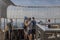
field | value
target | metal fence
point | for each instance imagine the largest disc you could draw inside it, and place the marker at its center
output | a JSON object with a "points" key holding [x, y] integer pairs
{"points": [[19, 21]]}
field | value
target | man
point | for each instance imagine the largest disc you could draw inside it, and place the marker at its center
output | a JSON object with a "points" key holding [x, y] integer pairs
{"points": [[33, 27], [10, 25], [49, 26]]}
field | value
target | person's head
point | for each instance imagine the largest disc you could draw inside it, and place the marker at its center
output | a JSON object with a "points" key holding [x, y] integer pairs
{"points": [[33, 18], [48, 20], [29, 19], [25, 17], [11, 20]]}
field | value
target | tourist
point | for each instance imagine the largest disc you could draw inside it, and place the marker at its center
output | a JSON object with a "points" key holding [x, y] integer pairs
{"points": [[29, 28], [49, 26], [10, 25], [25, 28], [33, 27]]}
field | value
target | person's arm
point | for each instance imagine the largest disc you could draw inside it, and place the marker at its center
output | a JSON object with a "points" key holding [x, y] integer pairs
{"points": [[6, 28], [26, 24]]}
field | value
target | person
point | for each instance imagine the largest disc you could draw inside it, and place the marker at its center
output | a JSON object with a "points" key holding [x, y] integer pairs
{"points": [[25, 21], [10, 25], [49, 26], [29, 28], [25, 28], [33, 27]]}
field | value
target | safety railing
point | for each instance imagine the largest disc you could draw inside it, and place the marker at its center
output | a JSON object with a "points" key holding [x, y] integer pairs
{"points": [[47, 33], [18, 21]]}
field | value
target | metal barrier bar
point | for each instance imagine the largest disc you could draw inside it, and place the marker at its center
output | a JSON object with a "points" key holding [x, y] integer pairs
{"points": [[45, 33], [22, 18]]}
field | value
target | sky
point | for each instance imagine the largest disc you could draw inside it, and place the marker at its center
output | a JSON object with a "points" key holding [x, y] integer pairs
{"points": [[36, 2]]}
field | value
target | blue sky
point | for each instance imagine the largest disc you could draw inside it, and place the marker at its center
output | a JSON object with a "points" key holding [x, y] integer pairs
{"points": [[36, 2]]}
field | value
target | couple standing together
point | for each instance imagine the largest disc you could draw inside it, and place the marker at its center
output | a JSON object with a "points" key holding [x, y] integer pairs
{"points": [[29, 28]]}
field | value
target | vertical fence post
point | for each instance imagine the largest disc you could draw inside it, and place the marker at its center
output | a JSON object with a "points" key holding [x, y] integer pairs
{"points": [[36, 33], [4, 23], [55, 20], [4, 30], [0, 23], [16, 21]]}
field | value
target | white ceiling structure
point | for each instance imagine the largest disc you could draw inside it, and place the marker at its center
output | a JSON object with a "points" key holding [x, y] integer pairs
{"points": [[48, 9]]}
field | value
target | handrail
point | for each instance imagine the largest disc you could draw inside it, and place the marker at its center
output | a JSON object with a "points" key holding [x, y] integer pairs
{"points": [[44, 28], [47, 31], [41, 27], [50, 23], [55, 20]]}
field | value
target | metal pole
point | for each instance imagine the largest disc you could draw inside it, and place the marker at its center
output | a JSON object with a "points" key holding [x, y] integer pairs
{"points": [[36, 33], [4, 23], [0, 23], [55, 20], [4, 27], [16, 21]]}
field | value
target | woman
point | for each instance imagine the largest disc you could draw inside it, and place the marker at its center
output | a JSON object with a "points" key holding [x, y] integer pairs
{"points": [[49, 26], [25, 28], [29, 28]]}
